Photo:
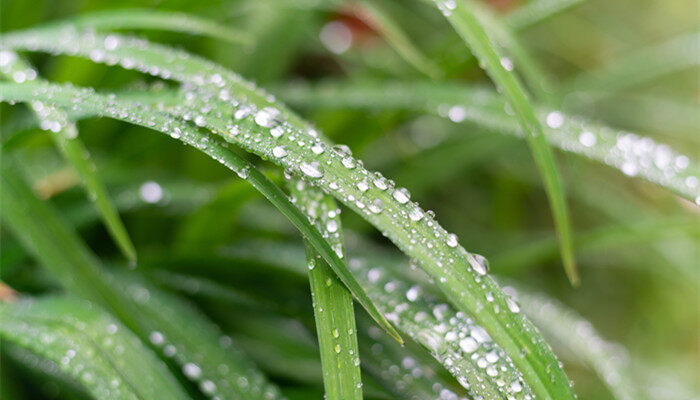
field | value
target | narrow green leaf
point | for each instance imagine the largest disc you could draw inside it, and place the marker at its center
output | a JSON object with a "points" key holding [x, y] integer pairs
{"points": [[65, 135], [92, 347], [332, 302], [632, 154], [535, 11], [180, 332], [609, 360], [136, 18], [379, 18], [465, 23], [452, 338], [460, 275], [640, 66], [136, 113]]}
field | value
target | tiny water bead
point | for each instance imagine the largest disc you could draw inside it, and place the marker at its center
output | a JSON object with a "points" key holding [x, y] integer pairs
{"points": [[279, 151], [313, 169], [401, 195], [151, 192], [555, 119]]}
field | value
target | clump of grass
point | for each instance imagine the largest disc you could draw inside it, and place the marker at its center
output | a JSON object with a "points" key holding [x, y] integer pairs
{"points": [[442, 325]]}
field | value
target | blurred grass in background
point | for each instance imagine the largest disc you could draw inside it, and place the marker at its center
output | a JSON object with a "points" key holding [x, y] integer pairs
{"points": [[636, 244]]}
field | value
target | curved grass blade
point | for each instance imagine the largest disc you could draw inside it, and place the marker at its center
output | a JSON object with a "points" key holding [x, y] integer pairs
{"points": [[467, 26], [534, 11], [136, 18], [610, 361], [110, 105], [452, 338], [89, 345], [536, 253], [641, 66], [65, 136], [187, 337], [332, 302], [459, 274], [374, 13], [634, 155]]}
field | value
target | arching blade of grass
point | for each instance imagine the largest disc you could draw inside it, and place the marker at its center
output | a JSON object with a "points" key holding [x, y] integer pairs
{"points": [[180, 332], [452, 338], [402, 370], [265, 124], [610, 361], [65, 135], [89, 345], [519, 58], [136, 113], [378, 17], [534, 11], [641, 66], [332, 302], [466, 24], [632, 154], [158, 20], [518, 258]]}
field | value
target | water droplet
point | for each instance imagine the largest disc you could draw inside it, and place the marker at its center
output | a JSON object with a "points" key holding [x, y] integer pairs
{"points": [[457, 113], [313, 169], [266, 117], [507, 63], [151, 192], [332, 226], [279, 151], [402, 195], [480, 264], [587, 139], [451, 240], [512, 305], [191, 370], [555, 119]]}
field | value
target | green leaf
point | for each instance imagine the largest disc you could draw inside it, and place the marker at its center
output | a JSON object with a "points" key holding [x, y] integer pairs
{"points": [[456, 341], [218, 93], [332, 302], [534, 11], [89, 345], [377, 16], [181, 333], [632, 154], [466, 24], [136, 18], [138, 114], [65, 135]]}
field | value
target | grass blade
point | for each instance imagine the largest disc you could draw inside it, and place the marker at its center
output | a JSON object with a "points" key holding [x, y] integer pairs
{"points": [[138, 114], [632, 154], [332, 302], [136, 18], [184, 334], [535, 11], [89, 345], [608, 360], [641, 66], [65, 135], [374, 13], [453, 339], [460, 275], [465, 23]]}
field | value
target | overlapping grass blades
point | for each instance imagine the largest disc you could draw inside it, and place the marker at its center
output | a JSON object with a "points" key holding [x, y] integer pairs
{"points": [[463, 19], [453, 339], [136, 113], [332, 302], [462, 276], [634, 155], [65, 135], [90, 346], [184, 335]]}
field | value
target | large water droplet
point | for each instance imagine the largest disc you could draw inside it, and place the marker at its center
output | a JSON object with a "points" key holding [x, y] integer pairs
{"points": [[313, 169]]}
